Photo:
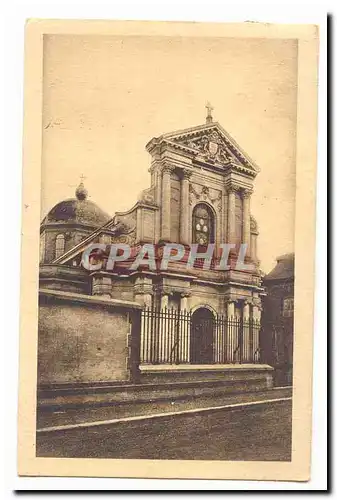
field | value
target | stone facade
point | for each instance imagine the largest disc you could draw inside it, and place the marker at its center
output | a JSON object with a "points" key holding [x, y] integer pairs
{"points": [[200, 192]]}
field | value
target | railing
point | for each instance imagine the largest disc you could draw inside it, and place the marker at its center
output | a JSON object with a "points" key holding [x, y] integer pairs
{"points": [[173, 336]]}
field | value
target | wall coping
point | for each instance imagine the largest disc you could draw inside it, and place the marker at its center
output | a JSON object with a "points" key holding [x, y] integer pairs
{"points": [[88, 299], [193, 368]]}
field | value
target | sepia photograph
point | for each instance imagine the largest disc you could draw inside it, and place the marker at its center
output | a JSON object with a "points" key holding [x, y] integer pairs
{"points": [[167, 222]]}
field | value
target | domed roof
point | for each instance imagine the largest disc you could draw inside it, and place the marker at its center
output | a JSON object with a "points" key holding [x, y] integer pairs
{"points": [[77, 210]]}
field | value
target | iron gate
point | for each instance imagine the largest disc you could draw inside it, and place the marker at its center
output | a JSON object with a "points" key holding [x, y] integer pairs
{"points": [[173, 336]]}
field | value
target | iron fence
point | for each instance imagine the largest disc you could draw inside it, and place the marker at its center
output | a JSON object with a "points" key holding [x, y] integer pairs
{"points": [[173, 336]]}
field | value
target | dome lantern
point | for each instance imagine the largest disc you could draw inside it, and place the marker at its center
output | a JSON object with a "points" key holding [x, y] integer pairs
{"points": [[81, 193]]}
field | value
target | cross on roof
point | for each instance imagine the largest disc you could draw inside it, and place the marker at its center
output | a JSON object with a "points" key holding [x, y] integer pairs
{"points": [[209, 107], [82, 177]]}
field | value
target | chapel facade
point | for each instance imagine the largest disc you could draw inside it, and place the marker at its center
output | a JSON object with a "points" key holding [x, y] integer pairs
{"points": [[201, 186]]}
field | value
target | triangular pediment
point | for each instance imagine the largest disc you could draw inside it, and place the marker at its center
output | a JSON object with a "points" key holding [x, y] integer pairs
{"points": [[210, 143]]}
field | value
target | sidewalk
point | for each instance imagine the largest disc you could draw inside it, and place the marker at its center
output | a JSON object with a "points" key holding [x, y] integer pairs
{"points": [[47, 419]]}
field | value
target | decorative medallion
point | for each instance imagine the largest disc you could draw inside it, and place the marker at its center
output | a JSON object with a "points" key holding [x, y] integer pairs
{"points": [[213, 148]]}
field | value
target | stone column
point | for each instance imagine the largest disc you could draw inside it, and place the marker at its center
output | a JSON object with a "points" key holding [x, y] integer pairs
{"points": [[230, 331], [224, 218], [231, 215], [246, 346], [145, 300], [148, 300], [246, 311], [184, 207], [257, 313], [246, 220], [143, 290], [252, 251], [163, 331], [230, 309], [185, 329], [184, 302], [139, 225], [256, 331], [164, 301], [158, 183], [102, 286], [166, 203]]}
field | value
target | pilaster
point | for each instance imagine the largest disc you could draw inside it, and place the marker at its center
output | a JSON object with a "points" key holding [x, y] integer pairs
{"points": [[166, 203], [231, 215], [246, 194], [184, 301], [102, 286], [184, 206], [164, 301]]}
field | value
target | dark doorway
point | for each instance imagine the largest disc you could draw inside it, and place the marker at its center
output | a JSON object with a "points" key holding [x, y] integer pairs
{"points": [[202, 331]]}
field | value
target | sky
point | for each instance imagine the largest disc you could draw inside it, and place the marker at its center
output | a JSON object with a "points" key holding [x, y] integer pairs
{"points": [[105, 97]]}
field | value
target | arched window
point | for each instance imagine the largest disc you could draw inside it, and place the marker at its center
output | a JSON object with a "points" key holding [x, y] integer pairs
{"points": [[203, 224], [59, 245]]}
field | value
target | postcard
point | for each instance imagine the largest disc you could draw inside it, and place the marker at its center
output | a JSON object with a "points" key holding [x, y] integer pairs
{"points": [[168, 250]]}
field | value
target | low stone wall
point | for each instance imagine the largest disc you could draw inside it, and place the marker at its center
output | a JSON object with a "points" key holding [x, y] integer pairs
{"points": [[94, 396], [86, 339], [252, 376]]}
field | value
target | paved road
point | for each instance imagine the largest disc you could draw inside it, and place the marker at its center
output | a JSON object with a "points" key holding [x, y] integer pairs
{"points": [[89, 414], [259, 432]]}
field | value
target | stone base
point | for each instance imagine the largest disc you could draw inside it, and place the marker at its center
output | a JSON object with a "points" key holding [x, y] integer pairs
{"points": [[163, 384], [253, 373]]}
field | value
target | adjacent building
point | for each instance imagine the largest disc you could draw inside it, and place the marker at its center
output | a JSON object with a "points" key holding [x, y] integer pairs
{"points": [[278, 319]]}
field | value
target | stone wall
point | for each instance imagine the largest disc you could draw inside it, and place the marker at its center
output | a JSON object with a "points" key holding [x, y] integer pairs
{"points": [[66, 278], [85, 339]]}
